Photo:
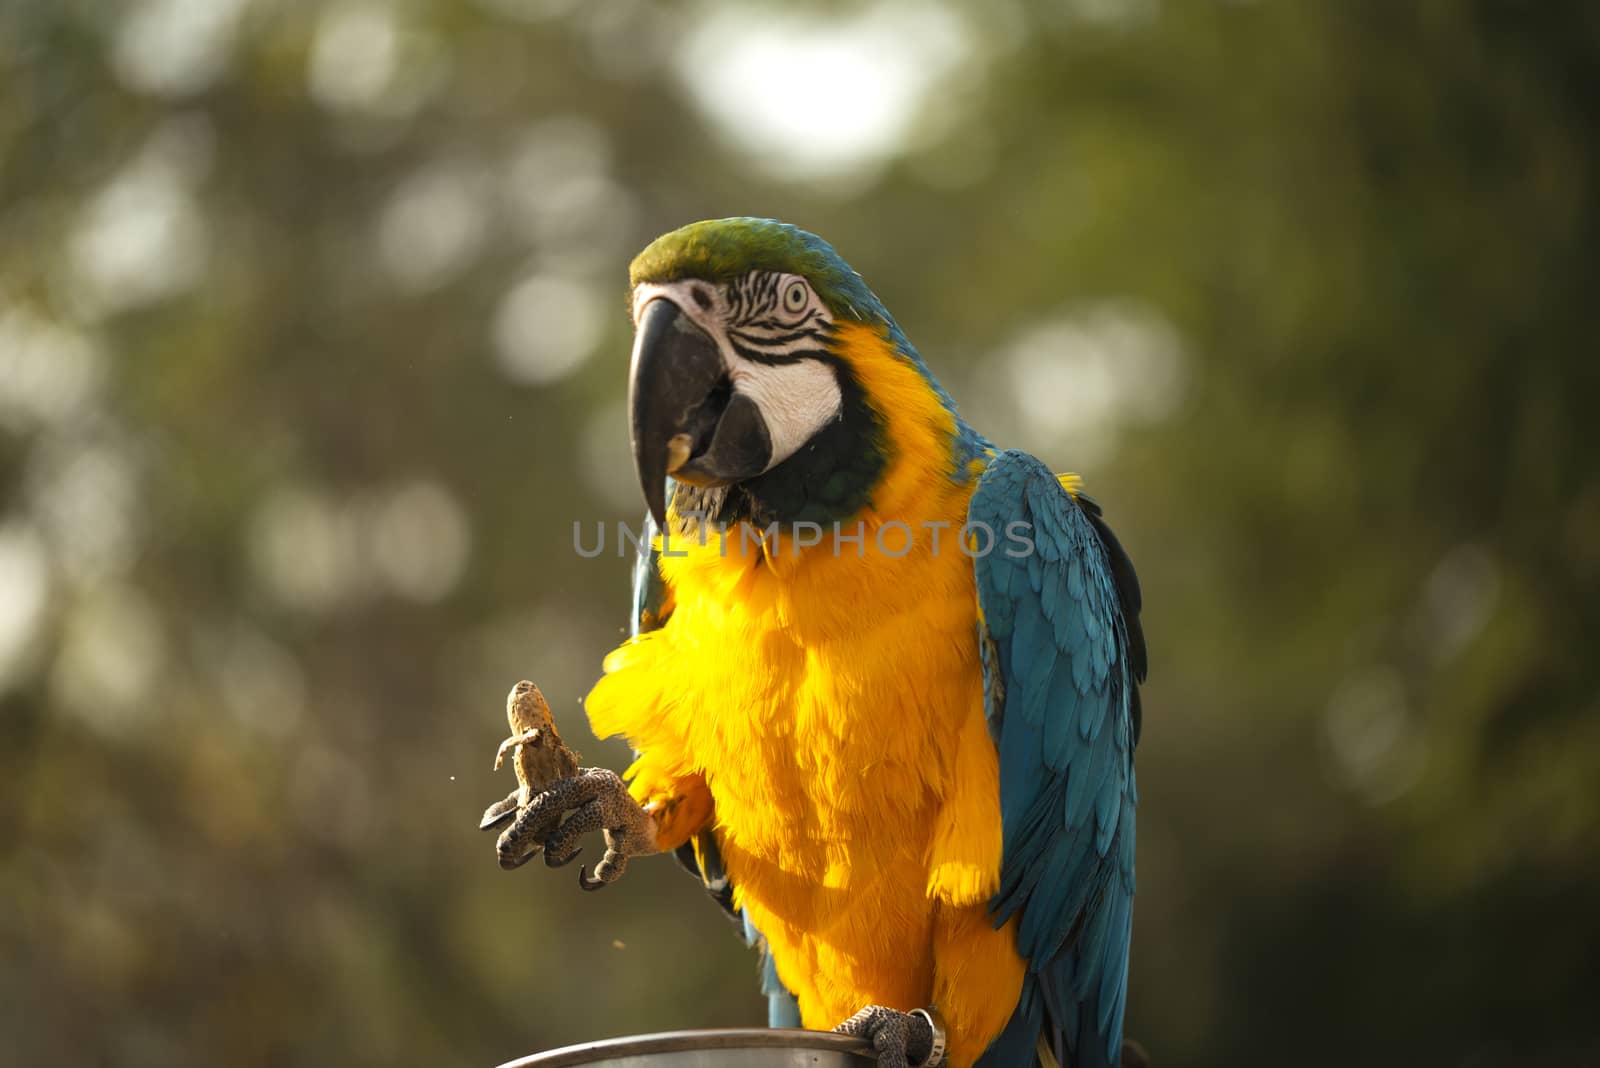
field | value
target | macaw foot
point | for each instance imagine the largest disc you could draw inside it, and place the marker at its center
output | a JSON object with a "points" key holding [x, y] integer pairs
{"points": [[525, 837], [902, 1039], [593, 800]]}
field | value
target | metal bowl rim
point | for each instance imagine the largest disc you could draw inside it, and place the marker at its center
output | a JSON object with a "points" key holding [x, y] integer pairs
{"points": [[709, 1039]]}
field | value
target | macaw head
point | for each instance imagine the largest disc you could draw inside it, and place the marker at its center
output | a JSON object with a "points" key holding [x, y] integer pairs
{"points": [[745, 385]]}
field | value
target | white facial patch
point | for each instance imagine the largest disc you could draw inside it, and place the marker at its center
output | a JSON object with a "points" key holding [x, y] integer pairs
{"points": [[767, 327], [796, 399]]}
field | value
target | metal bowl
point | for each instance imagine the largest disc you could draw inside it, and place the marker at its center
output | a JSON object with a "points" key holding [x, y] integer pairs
{"points": [[764, 1047]]}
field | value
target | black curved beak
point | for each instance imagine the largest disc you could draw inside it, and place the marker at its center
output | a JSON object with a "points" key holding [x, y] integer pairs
{"points": [[687, 421]]}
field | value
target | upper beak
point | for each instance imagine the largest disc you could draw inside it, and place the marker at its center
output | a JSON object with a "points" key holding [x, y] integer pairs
{"points": [[687, 421]]}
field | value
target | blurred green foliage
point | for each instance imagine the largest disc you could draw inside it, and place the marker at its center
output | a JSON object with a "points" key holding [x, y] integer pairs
{"points": [[312, 345]]}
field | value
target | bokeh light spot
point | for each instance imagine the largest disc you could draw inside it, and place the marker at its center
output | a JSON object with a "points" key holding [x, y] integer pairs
{"points": [[49, 373], [261, 681], [298, 550], [432, 226], [113, 653], [176, 47], [560, 192], [1078, 378], [25, 578], [365, 61], [819, 97], [546, 326], [420, 541], [144, 237], [1461, 595], [1376, 748], [85, 495]]}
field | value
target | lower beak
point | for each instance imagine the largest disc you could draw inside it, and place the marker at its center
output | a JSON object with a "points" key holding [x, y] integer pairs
{"points": [[687, 422]]}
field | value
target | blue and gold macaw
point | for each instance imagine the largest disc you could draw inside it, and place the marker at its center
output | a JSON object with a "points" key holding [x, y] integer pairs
{"points": [[883, 686]]}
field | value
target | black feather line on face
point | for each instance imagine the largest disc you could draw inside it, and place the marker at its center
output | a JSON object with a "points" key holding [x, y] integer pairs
{"points": [[747, 298], [778, 359], [755, 295], [755, 327], [783, 319], [776, 339]]}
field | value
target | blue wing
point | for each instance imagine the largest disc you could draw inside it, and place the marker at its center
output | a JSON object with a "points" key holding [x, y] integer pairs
{"points": [[652, 607], [1063, 654]]}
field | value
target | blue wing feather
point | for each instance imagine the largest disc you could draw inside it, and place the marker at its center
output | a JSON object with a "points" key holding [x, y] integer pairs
{"points": [[649, 588], [1063, 656]]}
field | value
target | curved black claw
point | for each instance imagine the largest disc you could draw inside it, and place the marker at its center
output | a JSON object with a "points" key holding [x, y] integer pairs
{"points": [[513, 862], [551, 861], [499, 813], [588, 883]]}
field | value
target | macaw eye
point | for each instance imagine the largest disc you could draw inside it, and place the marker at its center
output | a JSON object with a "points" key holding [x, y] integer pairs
{"points": [[795, 297]]}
